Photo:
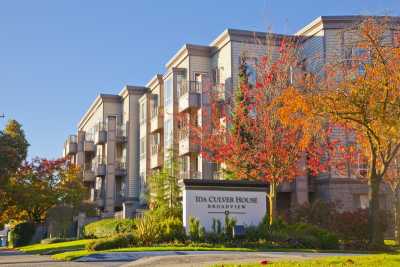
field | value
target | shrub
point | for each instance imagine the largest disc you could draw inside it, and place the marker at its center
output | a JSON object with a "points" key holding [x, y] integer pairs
{"points": [[22, 234], [319, 213], [197, 232], [172, 230], [54, 240], [311, 236], [148, 230], [108, 228], [118, 241], [228, 227]]}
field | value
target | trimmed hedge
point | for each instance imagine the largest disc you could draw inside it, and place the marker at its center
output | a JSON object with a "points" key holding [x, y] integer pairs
{"points": [[108, 227], [21, 234], [118, 241]]}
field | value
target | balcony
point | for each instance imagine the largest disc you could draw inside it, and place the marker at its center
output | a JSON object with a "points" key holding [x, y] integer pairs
{"points": [[186, 142], [88, 144], [157, 157], [100, 134], [189, 95], [156, 122], [121, 134], [120, 168], [100, 167], [71, 145], [88, 176]]}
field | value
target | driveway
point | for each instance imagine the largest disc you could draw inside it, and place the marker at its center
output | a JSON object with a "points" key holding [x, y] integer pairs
{"points": [[158, 258]]}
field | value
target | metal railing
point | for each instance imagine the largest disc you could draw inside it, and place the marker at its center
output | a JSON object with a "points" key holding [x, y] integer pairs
{"points": [[121, 130], [120, 164], [154, 112], [155, 148], [183, 133], [72, 138], [186, 86], [100, 126]]}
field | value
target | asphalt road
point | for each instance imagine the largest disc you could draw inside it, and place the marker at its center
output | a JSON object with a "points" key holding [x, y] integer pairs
{"points": [[162, 258]]}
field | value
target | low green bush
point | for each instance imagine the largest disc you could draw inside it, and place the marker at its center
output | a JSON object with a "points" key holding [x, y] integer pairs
{"points": [[108, 228], [197, 232], [172, 230], [311, 236], [118, 241], [148, 230], [54, 240], [21, 234]]}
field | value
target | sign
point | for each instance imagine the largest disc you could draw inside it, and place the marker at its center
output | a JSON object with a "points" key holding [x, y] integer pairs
{"points": [[215, 199]]}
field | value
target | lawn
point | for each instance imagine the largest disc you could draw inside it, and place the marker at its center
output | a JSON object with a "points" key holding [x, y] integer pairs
{"points": [[55, 248], [381, 260]]}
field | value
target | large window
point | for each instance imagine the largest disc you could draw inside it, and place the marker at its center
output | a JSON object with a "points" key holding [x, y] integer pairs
{"points": [[142, 150], [142, 112], [168, 91], [168, 134]]}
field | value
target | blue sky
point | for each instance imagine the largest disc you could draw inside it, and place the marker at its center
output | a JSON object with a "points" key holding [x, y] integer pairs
{"points": [[56, 56]]}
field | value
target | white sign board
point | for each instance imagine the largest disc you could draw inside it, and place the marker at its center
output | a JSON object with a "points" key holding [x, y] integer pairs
{"points": [[247, 207]]}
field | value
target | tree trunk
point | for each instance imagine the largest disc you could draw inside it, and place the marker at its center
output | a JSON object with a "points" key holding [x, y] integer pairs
{"points": [[375, 229], [396, 204], [272, 201]]}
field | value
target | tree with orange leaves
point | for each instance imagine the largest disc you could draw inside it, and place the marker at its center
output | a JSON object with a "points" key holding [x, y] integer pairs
{"points": [[361, 92], [251, 137]]}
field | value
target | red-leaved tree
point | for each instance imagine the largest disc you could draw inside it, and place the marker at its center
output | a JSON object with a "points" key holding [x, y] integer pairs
{"points": [[259, 133]]}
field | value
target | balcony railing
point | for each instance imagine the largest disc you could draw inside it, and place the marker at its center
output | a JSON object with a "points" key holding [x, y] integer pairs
{"points": [[72, 138], [183, 133], [121, 133], [156, 121], [88, 175], [185, 87], [88, 145], [155, 148], [99, 166], [154, 112], [71, 145], [120, 167], [100, 136]]}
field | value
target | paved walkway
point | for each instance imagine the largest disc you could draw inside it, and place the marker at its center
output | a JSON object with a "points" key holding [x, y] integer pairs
{"points": [[14, 258], [157, 258]]}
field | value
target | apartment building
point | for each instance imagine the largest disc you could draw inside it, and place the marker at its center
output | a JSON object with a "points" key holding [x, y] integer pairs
{"points": [[106, 148], [123, 138]]}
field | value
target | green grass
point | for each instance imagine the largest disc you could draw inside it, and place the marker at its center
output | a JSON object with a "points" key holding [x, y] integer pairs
{"points": [[55, 248], [381, 260]]}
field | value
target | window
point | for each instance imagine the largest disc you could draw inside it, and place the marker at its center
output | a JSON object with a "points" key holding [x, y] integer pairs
{"points": [[251, 68], [168, 134], [215, 76], [154, 105], [142, 148], [142, 112], [356, 57], [168, 90]]}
